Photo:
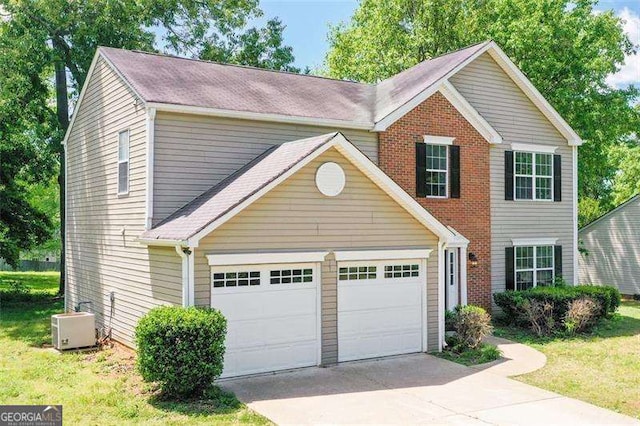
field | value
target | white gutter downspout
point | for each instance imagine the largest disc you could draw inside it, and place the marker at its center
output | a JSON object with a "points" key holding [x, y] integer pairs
{"points": [[574, 197], [441, 290], [187, 256], [151, 116]]}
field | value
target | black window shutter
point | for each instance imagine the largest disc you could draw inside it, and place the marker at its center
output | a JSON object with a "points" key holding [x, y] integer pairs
{"points": [[510, 268], [557, 259], [454, 173], [421, 169], [557, 178], [508, 175]]}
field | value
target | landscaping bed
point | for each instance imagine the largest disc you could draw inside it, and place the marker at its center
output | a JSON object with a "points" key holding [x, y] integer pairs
{"points": [[94, 388]]}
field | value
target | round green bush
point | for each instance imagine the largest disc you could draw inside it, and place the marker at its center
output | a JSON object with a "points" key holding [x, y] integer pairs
{"points": [[182, 349]]}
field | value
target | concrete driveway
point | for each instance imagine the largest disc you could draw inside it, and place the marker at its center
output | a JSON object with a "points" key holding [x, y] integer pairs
{"points": [[412, 389]]}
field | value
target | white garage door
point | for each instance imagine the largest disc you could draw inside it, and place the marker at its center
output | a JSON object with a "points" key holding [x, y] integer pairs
{"points": [[380, 308], [271, 313]]}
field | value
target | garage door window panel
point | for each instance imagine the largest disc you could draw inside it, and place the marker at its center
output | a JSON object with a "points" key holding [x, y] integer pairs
{"points": [[291, 276], [235, 279], [402, 271], [352, 273]]}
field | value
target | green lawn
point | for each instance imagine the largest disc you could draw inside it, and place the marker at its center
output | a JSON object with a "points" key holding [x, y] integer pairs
{"points": [[602, 368], [94, 388]]}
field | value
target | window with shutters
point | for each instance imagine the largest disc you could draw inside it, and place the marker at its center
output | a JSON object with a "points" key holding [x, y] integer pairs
{"points": [[533, 176], [123, 162], [534, 266], [437, 169]]}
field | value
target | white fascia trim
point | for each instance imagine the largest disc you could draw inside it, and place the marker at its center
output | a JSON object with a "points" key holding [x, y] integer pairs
{"points": [[76, 107], [438, 140], [364, 164], [474, 118], [86, 84], [248, 115], [458, 240], [394, 116], [163, 243], [574, 176], [264, 258], [533, 94], [354, 255], [151, 116], [534, 241], [399, 195], [530, 147]]}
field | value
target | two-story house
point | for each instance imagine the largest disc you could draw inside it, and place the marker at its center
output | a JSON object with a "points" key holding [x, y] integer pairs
{"points": [[328, 220]]}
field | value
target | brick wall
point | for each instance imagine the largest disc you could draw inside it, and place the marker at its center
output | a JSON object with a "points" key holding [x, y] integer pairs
{"points": [[470, 214]]}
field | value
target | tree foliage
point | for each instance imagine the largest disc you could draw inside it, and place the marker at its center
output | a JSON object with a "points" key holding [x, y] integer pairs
{"points": [[46, 49], [564, 47]]}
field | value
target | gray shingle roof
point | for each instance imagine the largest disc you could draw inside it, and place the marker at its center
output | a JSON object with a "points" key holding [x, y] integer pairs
{"points": [[213, 204], [189, 82]]}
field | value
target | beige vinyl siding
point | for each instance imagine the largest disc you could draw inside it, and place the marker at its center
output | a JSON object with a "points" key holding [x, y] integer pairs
{"points": [[102, 253], [613, 244], [501, 102], [193, 153], [296, 216]]}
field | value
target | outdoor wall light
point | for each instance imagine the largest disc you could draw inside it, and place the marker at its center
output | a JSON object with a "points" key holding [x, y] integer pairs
{"points": [[473, 260]]}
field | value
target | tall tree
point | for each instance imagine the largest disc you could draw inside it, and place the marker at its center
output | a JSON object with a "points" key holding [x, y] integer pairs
{"points": [[565, 47], [55, 40]]}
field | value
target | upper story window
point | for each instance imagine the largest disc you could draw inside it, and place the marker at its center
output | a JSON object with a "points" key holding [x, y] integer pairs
{"points": [[123, 162], [533, 174], [437, 168]]}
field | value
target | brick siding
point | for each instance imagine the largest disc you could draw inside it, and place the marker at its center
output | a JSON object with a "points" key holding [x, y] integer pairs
{"points": [[470, 214]]}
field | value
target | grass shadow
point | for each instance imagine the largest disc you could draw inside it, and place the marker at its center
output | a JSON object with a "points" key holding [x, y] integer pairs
{"points": [[26, 320], [214, 400]]}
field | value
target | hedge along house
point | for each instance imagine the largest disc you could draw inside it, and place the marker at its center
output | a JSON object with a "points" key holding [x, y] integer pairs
{"points": [[612, 244], [328, 220]]}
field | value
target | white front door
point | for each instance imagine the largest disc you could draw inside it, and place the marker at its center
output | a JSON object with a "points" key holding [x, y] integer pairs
{"points": [[381, 308], [272, 316], [451, 279]]}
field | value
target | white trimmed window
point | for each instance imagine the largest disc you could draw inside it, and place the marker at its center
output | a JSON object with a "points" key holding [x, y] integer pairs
{"points": [[437, 170], [402, 271], [534, 266], [533, 176], [123, 162], [366, 272]]}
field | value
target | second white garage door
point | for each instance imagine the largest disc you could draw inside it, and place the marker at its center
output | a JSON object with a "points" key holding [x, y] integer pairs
{"points": [[380, 308]]}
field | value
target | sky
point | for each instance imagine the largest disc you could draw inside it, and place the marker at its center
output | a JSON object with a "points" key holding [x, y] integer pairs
{"points": [[308, 23]]}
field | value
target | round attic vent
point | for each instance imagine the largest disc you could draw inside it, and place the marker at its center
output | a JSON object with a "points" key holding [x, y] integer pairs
{"points": [[330, 179]]}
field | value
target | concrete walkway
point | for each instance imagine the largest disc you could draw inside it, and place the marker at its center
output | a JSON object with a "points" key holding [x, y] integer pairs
{"points": [[412, 389], [516, 359]]}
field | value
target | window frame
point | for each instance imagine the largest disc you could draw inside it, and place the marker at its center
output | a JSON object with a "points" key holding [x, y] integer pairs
{"points": [[533, 176], [128, 161], [445, 171], [535, 269]]}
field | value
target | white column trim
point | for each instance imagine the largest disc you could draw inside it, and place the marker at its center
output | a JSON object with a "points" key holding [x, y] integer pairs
{"points": [[441, 290], [574, 173], [185, 275], [151, 116], [463, 275]]}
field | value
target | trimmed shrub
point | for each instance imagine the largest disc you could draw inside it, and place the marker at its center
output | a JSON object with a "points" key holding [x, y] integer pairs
{"points": [[582, 315], [557, 299], [472, 324], [449, 320], [182, 349]]}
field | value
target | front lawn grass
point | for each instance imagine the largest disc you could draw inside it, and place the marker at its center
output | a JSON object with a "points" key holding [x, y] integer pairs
{"points": [[602, 368], [94, 388]]}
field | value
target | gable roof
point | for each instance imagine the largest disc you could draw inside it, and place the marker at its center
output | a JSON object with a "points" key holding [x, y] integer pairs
{"points": [[610, 212], [228, 198], [170, 83]]}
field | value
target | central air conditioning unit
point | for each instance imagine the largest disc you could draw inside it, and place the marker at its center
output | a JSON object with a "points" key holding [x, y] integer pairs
{"points": [[73, 330]]}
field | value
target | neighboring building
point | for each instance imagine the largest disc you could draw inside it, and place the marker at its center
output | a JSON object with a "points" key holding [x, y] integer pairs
{"points": [[329, 220], [612, 249]]}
